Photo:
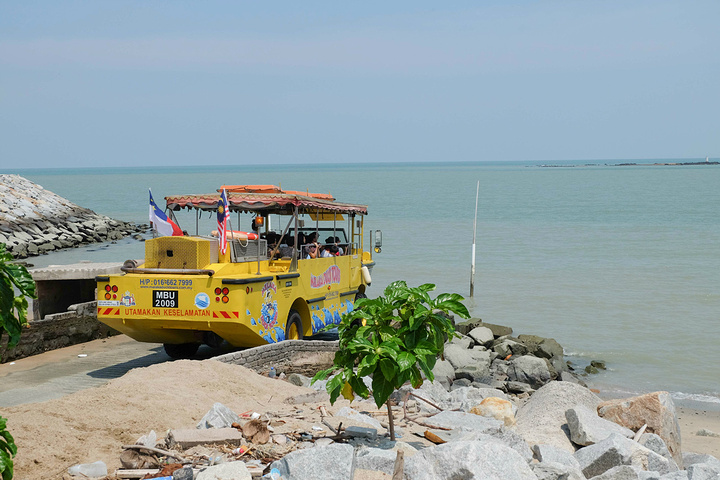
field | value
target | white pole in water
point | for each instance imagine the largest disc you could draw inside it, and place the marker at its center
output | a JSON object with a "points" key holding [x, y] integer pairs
{"points": [[472, 266]]}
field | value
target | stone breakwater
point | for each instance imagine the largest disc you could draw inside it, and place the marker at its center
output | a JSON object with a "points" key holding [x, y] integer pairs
{"points": [[34, 221]]}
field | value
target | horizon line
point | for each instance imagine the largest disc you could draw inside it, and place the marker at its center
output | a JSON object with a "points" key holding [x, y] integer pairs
{"points": [[350, 164]]}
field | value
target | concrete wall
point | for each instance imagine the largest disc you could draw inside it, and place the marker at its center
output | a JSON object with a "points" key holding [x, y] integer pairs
{"points": [[79, 324], [291, 356]]}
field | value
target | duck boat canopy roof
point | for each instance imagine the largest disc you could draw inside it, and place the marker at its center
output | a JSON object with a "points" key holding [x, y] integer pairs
{"points": [[265, 199]]}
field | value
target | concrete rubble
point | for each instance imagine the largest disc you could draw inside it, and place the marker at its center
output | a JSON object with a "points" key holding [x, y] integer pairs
{"points": [[34, 221], [554, 430]]}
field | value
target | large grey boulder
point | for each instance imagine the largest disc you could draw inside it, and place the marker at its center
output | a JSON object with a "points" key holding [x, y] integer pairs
{"points": [[319, 463], [444, 373], [531, 370], [570, 377], [656, 444], [460, 383], [701, 466], [601, 457], [219, 416], [482, 336], [550, 454], [498, 330], [450, 419], [357, 417], [542, 419], [511, 439], [299, 380], [480, 460], [703, 471], [586, 427], [691, 458], [550, 349], [465, 326], [475, 373], [617, 450], [679, 475], [463, 341], [377, 459], [625, 472], [556, 471], [507, 346], [505, 436], [434, 392], [468, 397], [461, 357], [656, 410]]}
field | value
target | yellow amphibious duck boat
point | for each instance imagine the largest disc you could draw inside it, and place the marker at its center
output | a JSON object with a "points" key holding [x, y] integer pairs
{"points": [[187, 293]]}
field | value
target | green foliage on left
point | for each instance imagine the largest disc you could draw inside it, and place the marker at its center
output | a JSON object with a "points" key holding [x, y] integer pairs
{"points": [[395, 338], [16, 286], [7, 451]]}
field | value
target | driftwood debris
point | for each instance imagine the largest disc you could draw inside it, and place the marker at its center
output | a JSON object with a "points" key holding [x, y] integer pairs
{"points": [[399, 466]]}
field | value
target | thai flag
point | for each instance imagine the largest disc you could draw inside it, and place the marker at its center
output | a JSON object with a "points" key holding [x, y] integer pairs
{"points": [[162, 224], [223, 212]]}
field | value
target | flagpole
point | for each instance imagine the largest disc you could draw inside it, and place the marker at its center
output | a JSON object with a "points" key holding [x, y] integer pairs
{"points": [[472, 265], [152, 225], [228, 228]]}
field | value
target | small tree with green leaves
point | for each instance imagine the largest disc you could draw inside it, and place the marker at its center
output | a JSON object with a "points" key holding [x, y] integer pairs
{"points": [[392, 338], [16, 286], [7, 451]]}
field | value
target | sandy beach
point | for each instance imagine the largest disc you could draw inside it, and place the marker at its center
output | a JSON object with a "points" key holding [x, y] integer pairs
{"points": [[693, 421]]}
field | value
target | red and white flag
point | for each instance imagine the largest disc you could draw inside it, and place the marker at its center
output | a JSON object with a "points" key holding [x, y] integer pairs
{"points": [[160, 222]]}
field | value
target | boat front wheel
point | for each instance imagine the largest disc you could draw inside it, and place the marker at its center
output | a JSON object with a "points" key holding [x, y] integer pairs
{"points": [[181, 350], [293, 329]]}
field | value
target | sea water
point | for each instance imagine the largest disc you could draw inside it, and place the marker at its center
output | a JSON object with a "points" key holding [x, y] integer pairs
{"points": [[617, 263]]}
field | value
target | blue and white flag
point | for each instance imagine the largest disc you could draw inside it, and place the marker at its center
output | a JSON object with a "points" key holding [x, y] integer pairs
{"points": [[162, 224]]}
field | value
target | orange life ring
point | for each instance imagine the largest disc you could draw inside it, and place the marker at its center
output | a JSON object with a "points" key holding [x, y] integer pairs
{"points": [[237, 235]]}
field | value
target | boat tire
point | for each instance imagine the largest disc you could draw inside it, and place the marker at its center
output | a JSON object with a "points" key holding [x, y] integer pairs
{"points": [[180, 351], [293, 329]]}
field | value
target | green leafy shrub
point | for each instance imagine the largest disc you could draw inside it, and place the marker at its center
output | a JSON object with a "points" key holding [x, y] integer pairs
{"points": [[7, 451], [13, 307], [392, 338]]}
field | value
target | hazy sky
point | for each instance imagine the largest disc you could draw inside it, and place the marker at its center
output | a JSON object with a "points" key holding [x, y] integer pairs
{"points": [[129, 83]]}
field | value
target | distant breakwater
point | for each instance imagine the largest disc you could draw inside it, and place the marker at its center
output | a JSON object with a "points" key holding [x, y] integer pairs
{"points": [[34, 221]]}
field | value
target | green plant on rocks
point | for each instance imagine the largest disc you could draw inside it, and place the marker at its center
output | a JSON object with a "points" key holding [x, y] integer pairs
{"points": [[7, 451], [16, 286], [392, 339]]}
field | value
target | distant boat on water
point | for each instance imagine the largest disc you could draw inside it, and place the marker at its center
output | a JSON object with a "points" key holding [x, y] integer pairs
{"points": [[707, 159]]}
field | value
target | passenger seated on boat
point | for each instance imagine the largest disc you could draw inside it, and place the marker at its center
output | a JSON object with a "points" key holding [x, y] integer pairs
{"points": [[286, 247], [325, 251], [272, 239], [335, 241], [311, 251], [311, 238]]}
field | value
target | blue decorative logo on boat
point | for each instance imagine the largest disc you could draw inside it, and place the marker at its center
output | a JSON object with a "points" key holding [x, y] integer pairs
{"points": [[202, 300]]}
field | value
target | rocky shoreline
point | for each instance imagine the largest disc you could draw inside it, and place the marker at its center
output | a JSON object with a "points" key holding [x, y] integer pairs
{"points": [[501, 407], [34, 221], [504, 407]]}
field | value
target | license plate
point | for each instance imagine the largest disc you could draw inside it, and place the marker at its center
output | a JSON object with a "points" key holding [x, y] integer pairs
{"points": [[165, 299]]}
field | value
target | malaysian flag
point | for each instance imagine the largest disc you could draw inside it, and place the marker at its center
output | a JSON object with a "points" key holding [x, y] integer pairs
{"points": [[223, 212]]}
